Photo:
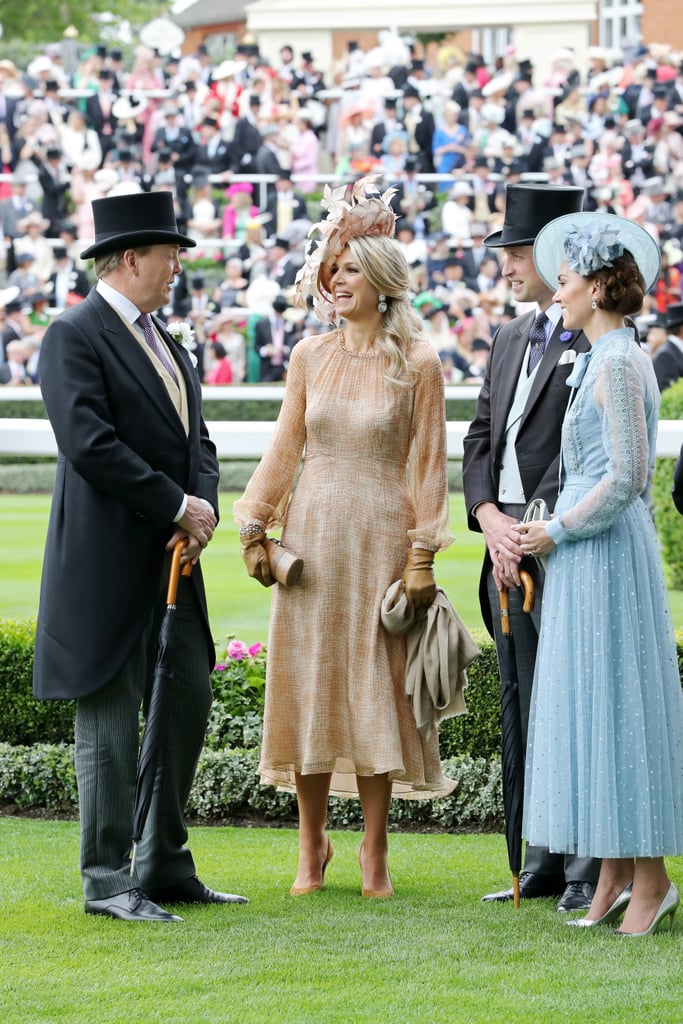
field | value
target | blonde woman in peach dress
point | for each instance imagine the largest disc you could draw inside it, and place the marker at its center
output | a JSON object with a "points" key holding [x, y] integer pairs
{"points": [[364, 407]]}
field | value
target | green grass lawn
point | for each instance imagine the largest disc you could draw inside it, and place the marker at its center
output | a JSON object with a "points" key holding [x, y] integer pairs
{"points": [[433, 954], [237, 604]]}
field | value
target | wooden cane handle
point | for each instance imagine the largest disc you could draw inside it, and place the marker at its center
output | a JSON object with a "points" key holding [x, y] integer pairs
{"points": [[529, 591]]}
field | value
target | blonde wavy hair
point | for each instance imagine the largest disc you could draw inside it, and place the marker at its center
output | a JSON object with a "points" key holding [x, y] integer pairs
{"points": [[383, 263]]}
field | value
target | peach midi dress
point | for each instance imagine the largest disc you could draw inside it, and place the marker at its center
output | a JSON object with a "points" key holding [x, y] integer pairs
{"points": [[373, 481]]}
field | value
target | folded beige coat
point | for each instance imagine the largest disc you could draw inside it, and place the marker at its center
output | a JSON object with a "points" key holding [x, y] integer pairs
{"points": [[439, 649]]}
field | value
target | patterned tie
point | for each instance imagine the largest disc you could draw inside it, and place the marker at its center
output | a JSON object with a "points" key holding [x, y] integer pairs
{"points": [[155, 345], [537, 341]]}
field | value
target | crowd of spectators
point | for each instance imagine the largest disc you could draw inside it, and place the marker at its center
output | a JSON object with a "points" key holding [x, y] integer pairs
{"points": [[245, 146]]}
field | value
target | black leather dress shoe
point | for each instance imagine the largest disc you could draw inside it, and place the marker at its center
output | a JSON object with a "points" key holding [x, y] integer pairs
{"points": [[531, 886], [132, 905], [192, 890], [577, 896]]}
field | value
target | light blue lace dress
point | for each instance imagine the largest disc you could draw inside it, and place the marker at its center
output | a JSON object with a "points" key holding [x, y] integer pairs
{"points": [[604, 773]]}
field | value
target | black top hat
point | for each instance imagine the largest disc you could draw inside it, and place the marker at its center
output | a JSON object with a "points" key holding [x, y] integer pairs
{"points": [[105, 74], [411, 90], [307, 57], [528, 208], [280, 304], [411, 163], [197, 283], [131, 221], [674, 315], [281, 243]]}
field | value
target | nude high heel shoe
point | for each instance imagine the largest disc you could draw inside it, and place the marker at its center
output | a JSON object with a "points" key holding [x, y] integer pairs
{"points": [[667, 908], [618, 907], [303, 890], [375, 894]]}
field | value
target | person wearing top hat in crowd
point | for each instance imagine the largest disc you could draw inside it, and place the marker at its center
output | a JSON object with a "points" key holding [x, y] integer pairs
{"points": [[266, 160], [668, 359], [212, 155], [511, 456], [282, 268], [99, 110], [274, 339], [285, 204], [388, 123], [67, 283], [137, 472], [14, 326], [247, 137], [177, 137], [307, 81], [420, 126], [201, 312]]}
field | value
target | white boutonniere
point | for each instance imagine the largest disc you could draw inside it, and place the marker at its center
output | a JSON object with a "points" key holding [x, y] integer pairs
{"points": [[183, 334]]}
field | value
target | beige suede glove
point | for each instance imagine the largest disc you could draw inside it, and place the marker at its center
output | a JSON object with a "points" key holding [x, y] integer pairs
{"points": [[255, 558], [418, 578]]}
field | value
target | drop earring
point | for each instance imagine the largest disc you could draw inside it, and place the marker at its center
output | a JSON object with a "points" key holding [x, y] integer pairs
{"points": [[594, 304], [382, 303]]}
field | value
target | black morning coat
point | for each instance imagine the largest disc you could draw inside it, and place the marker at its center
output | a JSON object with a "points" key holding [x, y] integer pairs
{"points": [[124, 464]]}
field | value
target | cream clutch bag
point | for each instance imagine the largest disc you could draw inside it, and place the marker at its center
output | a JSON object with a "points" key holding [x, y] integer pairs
{"points": [[537, 510]]}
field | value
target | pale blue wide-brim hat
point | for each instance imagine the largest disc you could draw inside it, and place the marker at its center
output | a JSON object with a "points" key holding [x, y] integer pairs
{"points": [[593, 235]]}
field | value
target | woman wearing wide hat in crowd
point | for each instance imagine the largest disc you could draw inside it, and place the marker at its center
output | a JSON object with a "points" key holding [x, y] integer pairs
{"points": [[605, 753], [366, 402]]}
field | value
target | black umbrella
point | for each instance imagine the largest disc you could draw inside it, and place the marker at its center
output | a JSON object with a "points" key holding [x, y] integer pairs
{"points": [[155, 728], [512, 754]]}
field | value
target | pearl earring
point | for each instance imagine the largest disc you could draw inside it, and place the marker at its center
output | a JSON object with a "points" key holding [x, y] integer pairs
{"points": [[382, 304]]}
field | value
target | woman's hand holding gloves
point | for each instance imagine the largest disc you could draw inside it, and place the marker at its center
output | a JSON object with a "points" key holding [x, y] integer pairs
{"points": [[418, 577], [254, 554]]}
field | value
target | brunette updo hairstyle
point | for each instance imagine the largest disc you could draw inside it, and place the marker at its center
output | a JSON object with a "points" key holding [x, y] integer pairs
{"points": [[623, 286]]}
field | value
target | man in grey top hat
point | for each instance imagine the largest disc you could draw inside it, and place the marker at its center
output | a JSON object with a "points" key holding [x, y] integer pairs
{"points": [[511, 456], [136, 472]]}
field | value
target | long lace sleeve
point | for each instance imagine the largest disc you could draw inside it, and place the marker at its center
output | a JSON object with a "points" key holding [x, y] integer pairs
{"points": [[618, 392], [269, 490], [428, 460]]}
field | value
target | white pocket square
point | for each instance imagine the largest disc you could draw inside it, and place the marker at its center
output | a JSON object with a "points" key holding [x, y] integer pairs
{"points": [[568, 356]]}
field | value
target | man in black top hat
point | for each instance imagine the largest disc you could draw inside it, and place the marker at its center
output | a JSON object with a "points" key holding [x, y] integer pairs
{"points": [[274, 339], [420, 126], [388, 123], [212, 155], [281, 267], [511, 456], [668, 359], [285, 204], [137, 473], [99, 110], [247, 137]]}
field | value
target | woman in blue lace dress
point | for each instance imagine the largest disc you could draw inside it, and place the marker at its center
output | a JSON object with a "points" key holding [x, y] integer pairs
{"points": [[604, 772]]}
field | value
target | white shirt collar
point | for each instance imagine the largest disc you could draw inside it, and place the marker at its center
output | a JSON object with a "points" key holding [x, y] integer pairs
{"points": [[128, 310]]}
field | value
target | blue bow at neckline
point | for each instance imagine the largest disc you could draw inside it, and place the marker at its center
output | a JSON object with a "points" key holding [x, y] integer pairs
{"points": [[579, 371]]}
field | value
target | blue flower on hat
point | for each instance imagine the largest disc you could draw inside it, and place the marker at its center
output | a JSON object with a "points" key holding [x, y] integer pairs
{"points": [[566, 336]]}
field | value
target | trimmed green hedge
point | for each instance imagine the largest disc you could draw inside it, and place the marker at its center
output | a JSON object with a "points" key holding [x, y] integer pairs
{"points": [[227, 789], [25, 720], [668, 519]]}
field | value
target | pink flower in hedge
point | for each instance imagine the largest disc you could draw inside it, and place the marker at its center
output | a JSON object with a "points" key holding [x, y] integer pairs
{"points": [[219, 667], [255, 649], [237, 650]]}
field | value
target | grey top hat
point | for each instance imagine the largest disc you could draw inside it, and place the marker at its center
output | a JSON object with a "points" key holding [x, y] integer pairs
{"points": [[130, 221], [529, 207]]}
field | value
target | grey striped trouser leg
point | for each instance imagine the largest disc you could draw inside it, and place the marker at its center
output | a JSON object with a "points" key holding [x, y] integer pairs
{"points": [[107, 734]]}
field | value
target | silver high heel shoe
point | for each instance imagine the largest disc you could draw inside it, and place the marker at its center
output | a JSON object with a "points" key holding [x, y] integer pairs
{"points": [[667, 908], [618, 907]]}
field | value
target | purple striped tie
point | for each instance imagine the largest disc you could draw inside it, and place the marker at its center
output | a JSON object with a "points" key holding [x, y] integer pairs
{"points": [[155, 345]]}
